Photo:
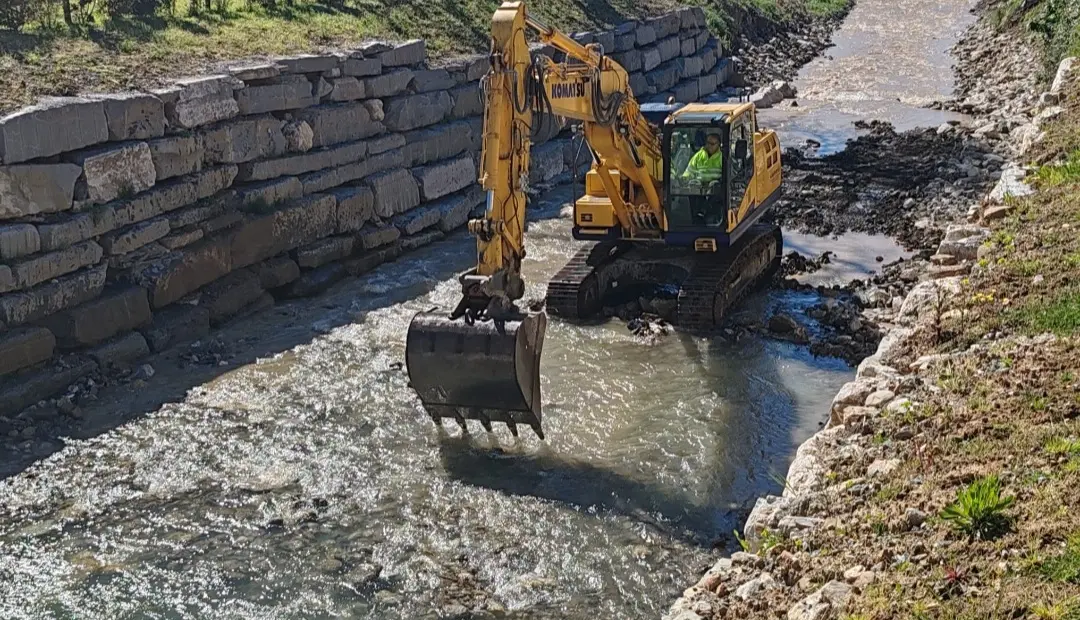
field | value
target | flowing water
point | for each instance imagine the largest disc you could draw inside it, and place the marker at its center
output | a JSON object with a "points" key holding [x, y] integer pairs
{"points": [[303, 480]]}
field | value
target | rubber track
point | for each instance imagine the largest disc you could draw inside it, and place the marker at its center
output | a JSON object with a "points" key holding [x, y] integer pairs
{"points": [[563, 292], [710, 276]]}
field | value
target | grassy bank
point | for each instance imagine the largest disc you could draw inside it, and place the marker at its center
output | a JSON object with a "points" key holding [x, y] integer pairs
{"points": [[1055, 23], [105, 52]]}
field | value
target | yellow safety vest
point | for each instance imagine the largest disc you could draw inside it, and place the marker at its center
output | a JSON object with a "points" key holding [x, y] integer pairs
{"points": [[706, 167]]}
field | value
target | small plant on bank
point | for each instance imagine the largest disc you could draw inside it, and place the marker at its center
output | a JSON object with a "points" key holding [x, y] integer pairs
{"points": [[979, 510]]}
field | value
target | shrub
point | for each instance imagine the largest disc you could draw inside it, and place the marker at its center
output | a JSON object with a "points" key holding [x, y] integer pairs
{"points": [[979, 509]]}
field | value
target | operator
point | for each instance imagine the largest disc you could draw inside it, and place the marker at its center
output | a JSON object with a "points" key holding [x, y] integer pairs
{"points": [[707, 165]]}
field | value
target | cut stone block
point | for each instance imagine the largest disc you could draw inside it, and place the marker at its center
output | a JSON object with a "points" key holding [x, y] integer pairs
{"points": [[63, 233], [23, 348], [227, 297], [204, 100], [346, 89], [386, 143], [468, 101], [633, 60], [243, 140], [361, 67], [438, 180], [307, 63], [32, 189], [669, 48], [429, 80], [455, 210], [101, 319], [324, 251], [418, 219], [388, 84], [337, 123], [395, 192], [301, 164], [327, 179], [437, 143], [374, 258], [176, 156], [547, 162], [277, 272], [646, 35], [375, 236], [172, 277], [288, 95], [316, 281], [39, 302], [135, 237], [408, 53], [182, 238], [55, 126], [114, 172], [255, 72], [303, 222], [121, 351], [409, 244], [18, 240], [412, 112], [203, 210], [33, 271], [355, 207], [133, 116], [651, 59], [175, 326], [270, 193], [687, 92]]}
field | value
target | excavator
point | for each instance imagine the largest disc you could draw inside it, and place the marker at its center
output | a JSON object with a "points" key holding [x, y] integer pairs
{"points": [[647, 217]]}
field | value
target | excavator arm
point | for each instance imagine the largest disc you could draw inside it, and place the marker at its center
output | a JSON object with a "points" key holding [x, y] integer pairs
{"points": [[482, 360]]}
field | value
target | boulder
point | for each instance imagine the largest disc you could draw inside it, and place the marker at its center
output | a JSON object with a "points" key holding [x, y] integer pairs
{"points": [[55, 126], [17, 240], [204, 100], [922, 302], [24, 347], [114, 172], [32, 189], [395, 192], [65, 292], [757, 587], [963, 240], [176, 156], [98, 320], [1065, 71], [133, 116], [411, 112], [341, 122], [298, 137]]}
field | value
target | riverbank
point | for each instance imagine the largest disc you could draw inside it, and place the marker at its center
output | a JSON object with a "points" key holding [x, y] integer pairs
{"points": [[944, 483]]}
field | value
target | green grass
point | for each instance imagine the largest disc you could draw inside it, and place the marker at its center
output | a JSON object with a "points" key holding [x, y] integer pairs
{"points": [[1056, 23], [1064, 568], [1061, 446], [1068, 171], [1059, 314]]}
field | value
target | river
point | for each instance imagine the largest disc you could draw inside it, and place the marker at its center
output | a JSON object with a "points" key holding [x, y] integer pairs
{"points": [[301, 479]]}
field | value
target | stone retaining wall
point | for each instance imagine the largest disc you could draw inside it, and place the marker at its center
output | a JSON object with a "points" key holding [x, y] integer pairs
{"points": [[132, 222]]}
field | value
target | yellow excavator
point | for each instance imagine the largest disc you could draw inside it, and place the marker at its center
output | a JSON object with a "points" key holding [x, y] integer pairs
{"points": [[673, 197]]}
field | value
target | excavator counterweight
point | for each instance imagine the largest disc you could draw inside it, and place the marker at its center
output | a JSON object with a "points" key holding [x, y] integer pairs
{"points": [[674, 196]]}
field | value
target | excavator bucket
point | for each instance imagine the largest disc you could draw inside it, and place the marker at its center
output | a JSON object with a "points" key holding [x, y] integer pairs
{"points": [[487, 370]]}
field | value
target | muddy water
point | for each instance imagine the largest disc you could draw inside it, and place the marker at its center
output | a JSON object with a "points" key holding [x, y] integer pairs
{"points": [[890, 59], [302, 479]]}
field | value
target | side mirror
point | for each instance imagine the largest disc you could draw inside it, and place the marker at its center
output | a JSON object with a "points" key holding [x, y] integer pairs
{"points": [[740, 149]]}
